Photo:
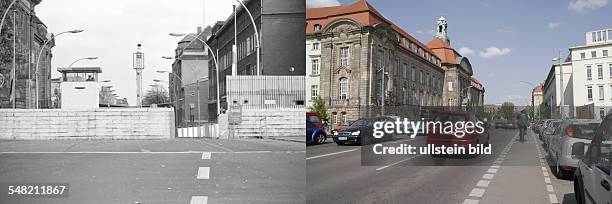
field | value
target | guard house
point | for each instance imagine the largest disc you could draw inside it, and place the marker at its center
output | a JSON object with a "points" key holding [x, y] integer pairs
{"points": [[80, 87]]}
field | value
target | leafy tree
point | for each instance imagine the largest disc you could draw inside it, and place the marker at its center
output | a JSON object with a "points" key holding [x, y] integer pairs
{"points": [[318, 106], [156, 95], [507, 110], [544, 110]]}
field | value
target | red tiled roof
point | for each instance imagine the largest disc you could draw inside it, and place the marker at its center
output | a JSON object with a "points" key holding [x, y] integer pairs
{"points": [[443, 50], [360, 11]]}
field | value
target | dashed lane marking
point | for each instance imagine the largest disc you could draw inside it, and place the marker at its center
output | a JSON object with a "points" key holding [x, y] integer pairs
{"points": [[553, 198], [206, 155], [488, 176], [550, 188], [397, 162], [330, 154], [483, 183], [477, 192], [470, 201], [183, 152], [203, 173], [199, 200]]}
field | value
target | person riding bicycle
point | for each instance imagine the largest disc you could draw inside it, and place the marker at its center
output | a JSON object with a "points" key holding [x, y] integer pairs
{"points": [[523, 122]]}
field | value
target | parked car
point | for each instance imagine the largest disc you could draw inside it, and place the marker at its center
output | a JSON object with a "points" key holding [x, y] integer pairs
{"points": [[314, 118], [342, 126], [314, 134], [542, 128], [499, 124], [566, 134], [438, 138], [361, 132], [549, 132], [592, 177]]}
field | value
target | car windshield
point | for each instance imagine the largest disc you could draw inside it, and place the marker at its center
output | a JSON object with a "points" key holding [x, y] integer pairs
{"points": [[361, 122], [585, 131], [449, 118], [313, 119]]}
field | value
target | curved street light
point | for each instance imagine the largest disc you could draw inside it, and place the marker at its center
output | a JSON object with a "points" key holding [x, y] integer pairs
{"points": [[4, 15], [256, 32], [40, 53], [84, 58]]}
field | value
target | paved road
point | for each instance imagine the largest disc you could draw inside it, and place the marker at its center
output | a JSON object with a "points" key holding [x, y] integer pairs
{"points": [[159, 171], [513, 173]]}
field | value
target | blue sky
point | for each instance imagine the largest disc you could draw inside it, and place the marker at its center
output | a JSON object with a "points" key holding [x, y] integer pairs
{"points": [[527, 34]]}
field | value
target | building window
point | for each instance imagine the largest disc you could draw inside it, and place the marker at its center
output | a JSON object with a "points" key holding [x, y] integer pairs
{"points": [[590, 93], [314, 91], [317, 27], [602, 113], [344, 87], [344, 56], [601, 93], [414, 74], [600, 71], [604, 53], [582, 55], [593, 54], [594, 36], [610, 65], [589, 75], [315, 66], [315, 46]]}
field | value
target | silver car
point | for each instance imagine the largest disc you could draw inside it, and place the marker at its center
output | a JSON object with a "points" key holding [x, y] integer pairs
{"points": [[560, 144], [592, 178]]}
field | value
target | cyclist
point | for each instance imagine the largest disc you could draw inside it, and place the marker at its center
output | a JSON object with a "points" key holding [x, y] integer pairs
{"points": [[523, 122]]}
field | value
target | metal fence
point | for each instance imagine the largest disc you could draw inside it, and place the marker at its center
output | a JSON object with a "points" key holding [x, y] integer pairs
{"points": [[204, 131], [266, 92]]}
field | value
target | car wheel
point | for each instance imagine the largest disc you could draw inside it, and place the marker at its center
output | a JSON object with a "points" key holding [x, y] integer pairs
{"points": [[578, 189], [320, 138]]}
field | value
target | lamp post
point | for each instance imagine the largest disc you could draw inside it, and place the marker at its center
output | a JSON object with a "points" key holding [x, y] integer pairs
{"points": [[4, 15], [561, 106], [256, 33], [215, 59], [40, 53]]}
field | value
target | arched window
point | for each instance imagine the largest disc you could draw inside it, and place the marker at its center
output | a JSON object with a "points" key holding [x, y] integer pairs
{"points": [[344, 87]]}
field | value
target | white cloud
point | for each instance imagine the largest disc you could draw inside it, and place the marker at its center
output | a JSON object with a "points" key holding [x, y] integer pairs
{"points": [[465, 51], [431, 31], [494, 52], [580, 5], [505, 29], [554, 25], [321, 3]]}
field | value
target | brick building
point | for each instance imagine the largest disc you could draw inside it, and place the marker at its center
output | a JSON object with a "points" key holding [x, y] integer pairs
{"points": [[30, 33]]}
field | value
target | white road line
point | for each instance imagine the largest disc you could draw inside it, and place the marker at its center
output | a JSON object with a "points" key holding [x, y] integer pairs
{"points": [[495, 166], [483, 183], [545, 173], [470, 201], [543, 168], [488, 176], [553, 198], [394, 163], [183, 152], [199, 200], [492, 171], [550, 188], [547, 180], [477, 192], [206, 155], [203, 173], [330, 154]]}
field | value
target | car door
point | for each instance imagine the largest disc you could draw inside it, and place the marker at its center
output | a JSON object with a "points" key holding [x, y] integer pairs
{"points": [[596, 171]]}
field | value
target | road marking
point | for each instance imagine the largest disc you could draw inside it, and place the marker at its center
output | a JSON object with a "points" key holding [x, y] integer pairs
{"points": [[330, 154], [183, 152], [546, 179], [553, 198], [488, 176], [543, 168], [477, 192], [470, 201], [483, 183], [206, 155], [492, 171], [550, 188], [394, 163], [495, 166], [218, 146], [545, 173], [199, 200], [203, 173]]}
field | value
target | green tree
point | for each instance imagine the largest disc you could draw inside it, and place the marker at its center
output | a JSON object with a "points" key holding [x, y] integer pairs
{"points": [[544, 111], [507, 110], [318, 106]]}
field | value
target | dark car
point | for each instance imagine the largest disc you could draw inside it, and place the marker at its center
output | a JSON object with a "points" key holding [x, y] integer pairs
{"points": [[438, 138], [499, 125], [510, 125], [314, 134], [361, 132]]}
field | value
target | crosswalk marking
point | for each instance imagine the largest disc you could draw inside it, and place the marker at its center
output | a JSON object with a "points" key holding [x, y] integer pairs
{"points": [[203, 173], [206, 155], [199, 200]]}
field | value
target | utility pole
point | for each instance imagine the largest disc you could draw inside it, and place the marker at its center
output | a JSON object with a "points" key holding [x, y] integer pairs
{"points": [[13, 94], [561, 88], [138, 66]]}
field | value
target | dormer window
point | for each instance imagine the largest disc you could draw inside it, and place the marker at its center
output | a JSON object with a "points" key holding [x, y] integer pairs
{"points": [[317, 27]]}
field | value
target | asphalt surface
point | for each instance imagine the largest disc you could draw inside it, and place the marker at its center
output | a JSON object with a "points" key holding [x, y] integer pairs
{"points": [[515, 172], [158, 171]]}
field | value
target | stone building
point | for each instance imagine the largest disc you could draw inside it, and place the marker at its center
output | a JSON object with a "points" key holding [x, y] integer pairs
{"points": [[368, 65], [30, 34], [458, 69]]}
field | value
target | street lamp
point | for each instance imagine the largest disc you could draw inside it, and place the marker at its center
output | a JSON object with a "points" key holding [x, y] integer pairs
{"points": [[216, 64], [256, 32], [4, 15], [40, 53]]}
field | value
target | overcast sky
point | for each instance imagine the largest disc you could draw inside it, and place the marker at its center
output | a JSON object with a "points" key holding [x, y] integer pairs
{"points": [[113, 28], [506, 41]]}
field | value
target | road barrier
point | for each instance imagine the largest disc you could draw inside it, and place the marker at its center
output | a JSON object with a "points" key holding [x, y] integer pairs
{"points": [[204, 131]]}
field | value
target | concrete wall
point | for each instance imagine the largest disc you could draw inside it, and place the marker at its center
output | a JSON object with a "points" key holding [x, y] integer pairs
{"points": [[267, 124], [120, 123], [80, 95]]}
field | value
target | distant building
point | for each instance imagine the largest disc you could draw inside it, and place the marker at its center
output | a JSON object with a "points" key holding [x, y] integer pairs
{"points": [[587, 79], [281, 28], [31, 34], [537, 98], [357, 58], [107, 97], [122, 102], [476, 97], [191, 65]]}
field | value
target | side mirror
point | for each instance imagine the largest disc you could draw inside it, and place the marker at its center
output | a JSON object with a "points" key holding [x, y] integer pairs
{"points": [[578, 150]]}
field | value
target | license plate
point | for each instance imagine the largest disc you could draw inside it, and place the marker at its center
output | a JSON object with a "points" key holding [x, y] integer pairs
{"points": [[342, 138]]}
